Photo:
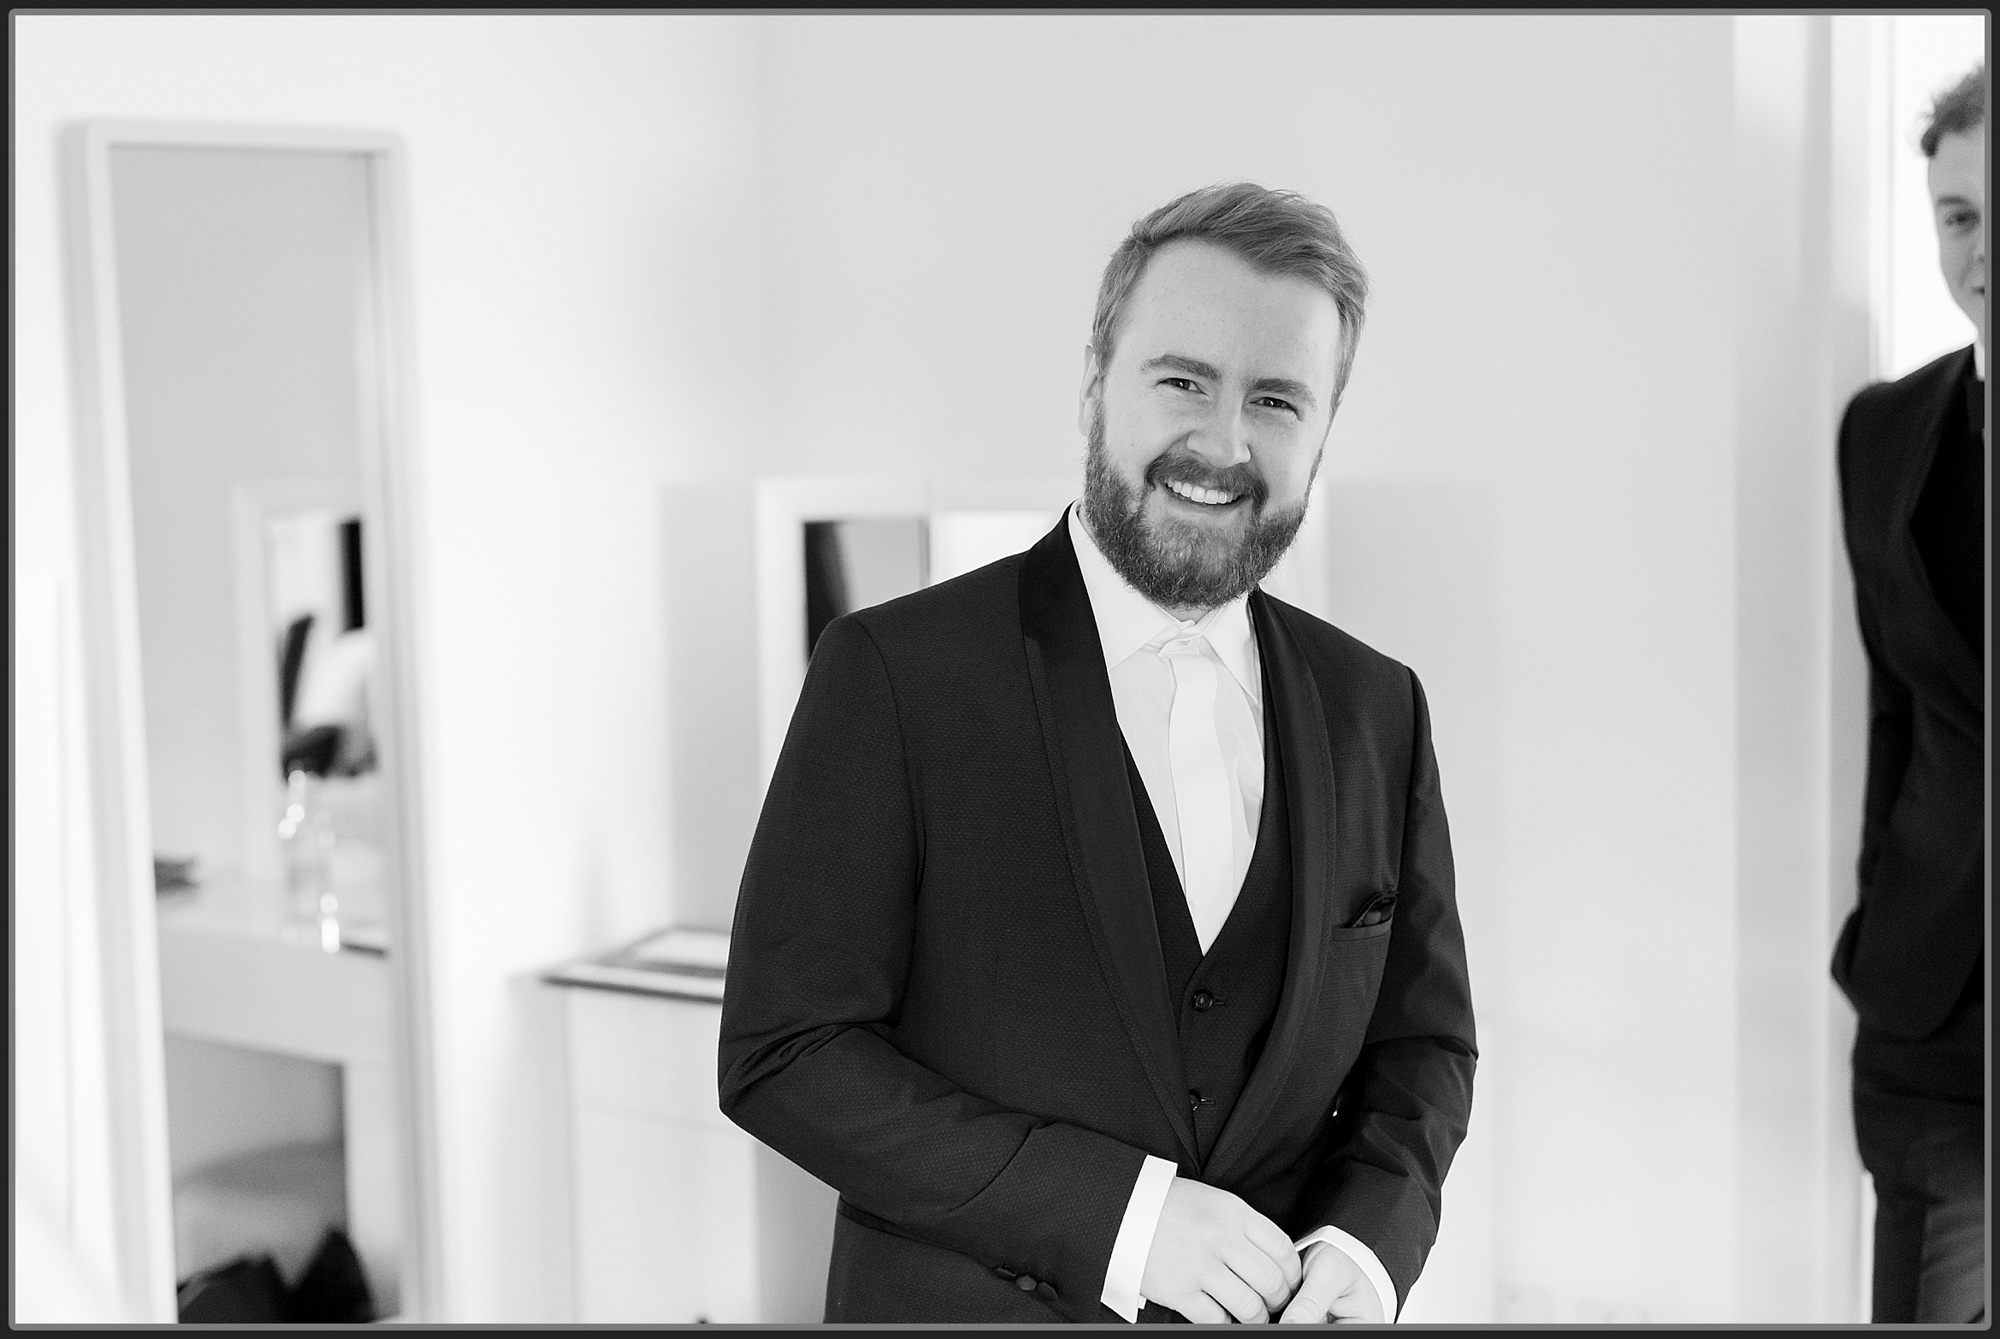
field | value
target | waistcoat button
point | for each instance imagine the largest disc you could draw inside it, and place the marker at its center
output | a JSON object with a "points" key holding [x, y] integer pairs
{"points": [[1203, 1001]]}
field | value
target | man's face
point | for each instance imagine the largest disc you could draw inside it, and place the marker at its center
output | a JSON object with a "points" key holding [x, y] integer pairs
{"points": [[1206, 427], [1958, 206]]}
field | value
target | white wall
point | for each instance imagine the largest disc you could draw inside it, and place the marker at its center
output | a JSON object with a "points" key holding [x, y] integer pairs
{"points": [[1926, 55], [64, 1204], [583, 221], [1802, 337], [659, 256]]}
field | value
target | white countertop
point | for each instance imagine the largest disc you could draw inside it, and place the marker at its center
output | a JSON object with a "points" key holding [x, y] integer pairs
{"points": [[235, 969], [676, 962], [224, 905]]}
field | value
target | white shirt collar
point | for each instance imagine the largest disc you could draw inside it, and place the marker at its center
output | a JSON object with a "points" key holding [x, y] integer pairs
{"points": [[1127, 620]]}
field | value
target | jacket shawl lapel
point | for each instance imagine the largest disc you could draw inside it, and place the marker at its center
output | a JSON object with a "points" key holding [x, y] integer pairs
{"points": [[1299, 726], [1100, 826], [1955, 662]]}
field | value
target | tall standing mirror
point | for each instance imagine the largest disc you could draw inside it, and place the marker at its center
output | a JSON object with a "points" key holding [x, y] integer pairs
{"points": [[243, 488]]}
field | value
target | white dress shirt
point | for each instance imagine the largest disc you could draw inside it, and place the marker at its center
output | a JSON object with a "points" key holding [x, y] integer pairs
{"points": [[1218, 753]]}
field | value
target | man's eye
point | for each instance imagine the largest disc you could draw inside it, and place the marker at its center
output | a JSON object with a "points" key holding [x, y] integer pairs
{"points": [[1961, 218], [1179, 383], [1273, 402]]}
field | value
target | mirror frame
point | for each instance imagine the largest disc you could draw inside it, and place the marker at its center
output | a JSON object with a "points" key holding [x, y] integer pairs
{"points": [[784, 505], [121, 837]]}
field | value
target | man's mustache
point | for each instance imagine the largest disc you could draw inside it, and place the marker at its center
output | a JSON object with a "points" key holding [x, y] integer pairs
{"points": [[1178, 464]]}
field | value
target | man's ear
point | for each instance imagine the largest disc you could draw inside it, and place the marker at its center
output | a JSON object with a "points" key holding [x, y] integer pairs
{"points": [[1092, 394]]}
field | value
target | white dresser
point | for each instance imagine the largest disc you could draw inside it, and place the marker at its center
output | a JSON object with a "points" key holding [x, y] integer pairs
{"points": [[680, 1217], [235, 972]]}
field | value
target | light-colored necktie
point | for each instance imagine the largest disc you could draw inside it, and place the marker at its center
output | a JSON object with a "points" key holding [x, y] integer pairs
{"points": [[1201, 784]]}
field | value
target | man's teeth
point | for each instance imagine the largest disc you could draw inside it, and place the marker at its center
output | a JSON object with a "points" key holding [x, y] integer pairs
{"points": [[1209, 496]]}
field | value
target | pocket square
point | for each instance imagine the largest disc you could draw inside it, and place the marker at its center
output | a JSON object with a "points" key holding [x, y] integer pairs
{"points": [[1379, 908]]}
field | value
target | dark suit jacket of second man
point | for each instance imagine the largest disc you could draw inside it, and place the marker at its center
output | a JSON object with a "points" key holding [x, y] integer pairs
{"points": [[1910, 955]]}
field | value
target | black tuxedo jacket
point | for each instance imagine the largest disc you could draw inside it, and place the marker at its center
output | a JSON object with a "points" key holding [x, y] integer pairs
{"points": [[946, 996], [1909, 947]]}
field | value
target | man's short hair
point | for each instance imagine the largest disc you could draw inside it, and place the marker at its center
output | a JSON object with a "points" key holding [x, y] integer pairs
{"points": [[1957, 110], [1275, 232]]}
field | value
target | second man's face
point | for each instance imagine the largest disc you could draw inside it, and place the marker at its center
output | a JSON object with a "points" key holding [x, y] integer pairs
{"points": [[1958, 202], [1214, 407]]}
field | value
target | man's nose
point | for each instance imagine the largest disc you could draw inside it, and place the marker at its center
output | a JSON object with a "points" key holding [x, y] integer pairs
{"points": [[1225, 439]]}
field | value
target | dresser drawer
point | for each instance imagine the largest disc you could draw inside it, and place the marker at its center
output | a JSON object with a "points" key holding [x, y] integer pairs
{"points": [[666, 1221], [645, 1054]]}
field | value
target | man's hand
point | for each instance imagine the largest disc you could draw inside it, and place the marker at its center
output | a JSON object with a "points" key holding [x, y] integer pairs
{"points": [[1335, 1290], [1214, 1258]]}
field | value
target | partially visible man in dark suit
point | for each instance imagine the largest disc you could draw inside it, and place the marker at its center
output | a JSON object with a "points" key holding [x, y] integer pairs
{"points": [[1911, 956], [1098, 940]]}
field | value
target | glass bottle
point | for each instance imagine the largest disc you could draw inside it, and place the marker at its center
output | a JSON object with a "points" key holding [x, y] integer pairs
{"points": [[307, 836]]}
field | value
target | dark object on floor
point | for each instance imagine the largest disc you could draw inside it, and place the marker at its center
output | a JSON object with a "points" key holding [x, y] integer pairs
{"points": [[333, 1288], [249, 1290], [246, 1291]]}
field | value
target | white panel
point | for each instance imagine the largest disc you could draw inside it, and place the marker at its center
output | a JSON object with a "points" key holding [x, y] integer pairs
{"points": [[1928, 54], [1802, 349], [42, 1043], [247, 990], [646, 1054], [375, 1180], [665, 1221], [964, 540], [53, 1283], [794, 1240], [226, 1100]]}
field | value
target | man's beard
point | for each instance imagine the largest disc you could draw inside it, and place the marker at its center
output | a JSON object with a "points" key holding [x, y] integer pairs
{"points": [[1177, 566]]}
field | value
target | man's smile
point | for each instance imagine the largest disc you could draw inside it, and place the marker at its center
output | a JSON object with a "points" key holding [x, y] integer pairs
{"points": [[1211, 498]]}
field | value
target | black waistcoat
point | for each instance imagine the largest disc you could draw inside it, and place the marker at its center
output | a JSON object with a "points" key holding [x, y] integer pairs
{"points": [[1227, 998]]}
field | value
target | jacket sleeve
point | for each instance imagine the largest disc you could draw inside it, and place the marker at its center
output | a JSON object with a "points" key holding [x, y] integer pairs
{"points": [[1403, 1109], [818, 959]]}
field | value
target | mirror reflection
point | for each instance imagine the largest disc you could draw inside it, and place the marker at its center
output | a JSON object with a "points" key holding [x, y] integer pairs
{"points": [[330, 829], [854, 562]]}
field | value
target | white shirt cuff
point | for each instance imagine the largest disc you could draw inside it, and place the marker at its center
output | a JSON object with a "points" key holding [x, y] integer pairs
{"points": [[1357, 1251], [1135, 1237]]}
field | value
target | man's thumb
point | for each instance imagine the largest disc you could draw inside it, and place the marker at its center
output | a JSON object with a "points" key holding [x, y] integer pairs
{"points": [[1305, 1309]]}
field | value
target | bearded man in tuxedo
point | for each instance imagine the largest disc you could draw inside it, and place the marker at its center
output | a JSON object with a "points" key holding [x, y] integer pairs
{"points": [[1098, 939]]}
